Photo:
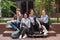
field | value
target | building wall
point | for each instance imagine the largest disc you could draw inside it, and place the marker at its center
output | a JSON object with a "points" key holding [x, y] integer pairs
{"points": [[25, 5]]}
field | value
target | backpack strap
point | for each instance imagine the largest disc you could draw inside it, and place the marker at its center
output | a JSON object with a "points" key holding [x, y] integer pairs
{"points": [[34, 19]]}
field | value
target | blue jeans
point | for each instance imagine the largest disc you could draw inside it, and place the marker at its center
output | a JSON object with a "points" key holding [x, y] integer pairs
{"points": [[15, 25]]}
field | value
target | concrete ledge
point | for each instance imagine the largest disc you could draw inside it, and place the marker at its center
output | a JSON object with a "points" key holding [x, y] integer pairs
{"points": [[56, 27], [55, 23]]}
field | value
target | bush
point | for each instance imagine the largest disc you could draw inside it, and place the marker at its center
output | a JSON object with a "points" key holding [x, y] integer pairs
{"points": [[49, 5], [6, 11]]}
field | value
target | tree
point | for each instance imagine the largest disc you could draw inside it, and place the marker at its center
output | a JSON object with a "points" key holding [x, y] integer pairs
{"points": [[5, 6], [44, 4]]}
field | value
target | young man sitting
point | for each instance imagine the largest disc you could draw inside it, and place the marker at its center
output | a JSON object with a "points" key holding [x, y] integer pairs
{"points": [[17, 20]]}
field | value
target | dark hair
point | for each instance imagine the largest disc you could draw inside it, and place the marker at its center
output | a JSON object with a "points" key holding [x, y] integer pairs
{"points": [[30, 10], [26, 14]]}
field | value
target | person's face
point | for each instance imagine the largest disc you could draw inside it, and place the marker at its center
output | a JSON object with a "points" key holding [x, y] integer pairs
{"points": [[43, 12], [17, 12], [31, 13], [25, 15]]}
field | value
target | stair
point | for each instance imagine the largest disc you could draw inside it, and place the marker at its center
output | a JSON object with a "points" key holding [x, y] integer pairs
{"points": [[50, 33], [8, 31], [9, 28], [2, 27]]}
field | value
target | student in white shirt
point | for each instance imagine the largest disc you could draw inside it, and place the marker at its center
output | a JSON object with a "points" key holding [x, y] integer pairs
{"points": [[16, 20], [34, 21], [45, 19], [44, 22], [25, 26]]}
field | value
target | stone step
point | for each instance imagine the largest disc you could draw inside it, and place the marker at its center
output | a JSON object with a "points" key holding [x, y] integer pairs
{"points": [[8, 33], [2, 27], [9, 28], [50, 33]]}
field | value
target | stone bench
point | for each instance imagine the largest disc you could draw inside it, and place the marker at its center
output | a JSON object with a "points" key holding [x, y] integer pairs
{"points": [[9, 30], [8, 33], [56, 27]]}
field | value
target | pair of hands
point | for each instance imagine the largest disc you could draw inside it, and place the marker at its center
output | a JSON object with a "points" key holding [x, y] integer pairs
{"points": [[32, 21], [24, 24], [14, 21]]}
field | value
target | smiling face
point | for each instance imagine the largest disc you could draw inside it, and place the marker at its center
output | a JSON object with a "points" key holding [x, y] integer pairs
{"points": [[43, 12], [17, 11], [25, 15], [31, 12]]}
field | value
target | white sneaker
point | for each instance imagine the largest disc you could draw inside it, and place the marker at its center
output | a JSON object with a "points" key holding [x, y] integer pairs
{"points": [[45, 33], [25, 36], [20, 36]]}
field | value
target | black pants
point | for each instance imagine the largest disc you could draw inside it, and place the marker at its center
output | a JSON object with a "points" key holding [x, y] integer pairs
{"points": [[25, 31], [34, 27], [46, 25]]}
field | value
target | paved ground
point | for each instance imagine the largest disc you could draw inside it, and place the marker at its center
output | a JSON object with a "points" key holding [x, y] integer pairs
{"points": [[57, 37]]}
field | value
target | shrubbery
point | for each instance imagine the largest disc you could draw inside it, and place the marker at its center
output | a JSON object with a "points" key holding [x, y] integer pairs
{"points": [[5, 6]]}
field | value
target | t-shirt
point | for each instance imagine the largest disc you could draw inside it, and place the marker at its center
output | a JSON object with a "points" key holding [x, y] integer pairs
{"points": [[26, 21], [44, 18]]}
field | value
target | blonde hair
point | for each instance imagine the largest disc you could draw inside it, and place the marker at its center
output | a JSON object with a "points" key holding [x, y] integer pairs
{"points": [[18, 9], [43, 10]]}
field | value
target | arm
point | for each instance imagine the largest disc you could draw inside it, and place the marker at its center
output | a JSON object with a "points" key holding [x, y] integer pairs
{"points": [[45, 20], [29, 24], [23, 22], [38, 23]]}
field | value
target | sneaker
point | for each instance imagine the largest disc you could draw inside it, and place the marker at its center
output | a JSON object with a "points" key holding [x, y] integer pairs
{"points": [[40, 32], [18, 29], [45, 33], [25, 36], [20, 36]]}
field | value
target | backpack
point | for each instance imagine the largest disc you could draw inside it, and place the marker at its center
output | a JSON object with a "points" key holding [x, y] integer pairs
{"points": [[36, 26], [36, 23], [15, 35]]}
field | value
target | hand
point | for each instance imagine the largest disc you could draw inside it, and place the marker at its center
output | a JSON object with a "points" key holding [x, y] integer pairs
{"points": [[24, 24], [14, 21], [32, 21]]}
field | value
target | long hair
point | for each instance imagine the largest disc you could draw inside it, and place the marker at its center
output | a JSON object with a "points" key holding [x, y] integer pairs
{"points": [[33, 11]]}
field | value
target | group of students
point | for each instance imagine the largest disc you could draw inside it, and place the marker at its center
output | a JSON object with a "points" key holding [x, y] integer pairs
{"points": [[27, 24]]}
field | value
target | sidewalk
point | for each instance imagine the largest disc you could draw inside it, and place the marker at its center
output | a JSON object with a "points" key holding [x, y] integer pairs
{"points": [[57, 37]]}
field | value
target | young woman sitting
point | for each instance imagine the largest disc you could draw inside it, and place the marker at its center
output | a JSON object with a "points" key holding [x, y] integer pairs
{"points": [[25, 25]]}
